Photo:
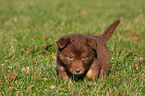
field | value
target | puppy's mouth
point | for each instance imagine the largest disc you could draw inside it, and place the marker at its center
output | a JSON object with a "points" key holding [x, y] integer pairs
{"points": [[78, 72]]}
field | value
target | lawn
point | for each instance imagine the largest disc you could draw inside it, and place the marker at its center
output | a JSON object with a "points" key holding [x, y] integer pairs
{"points": [[29, 30]]}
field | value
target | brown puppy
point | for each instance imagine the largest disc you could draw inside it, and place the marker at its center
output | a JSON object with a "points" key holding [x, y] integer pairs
{"points": [[81, 55]]}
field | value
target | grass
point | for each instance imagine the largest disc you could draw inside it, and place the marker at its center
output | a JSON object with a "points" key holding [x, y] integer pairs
{"points": [[28, 69]]}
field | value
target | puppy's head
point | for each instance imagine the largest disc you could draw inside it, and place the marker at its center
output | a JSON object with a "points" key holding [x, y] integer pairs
{"points": [[76, 52]]}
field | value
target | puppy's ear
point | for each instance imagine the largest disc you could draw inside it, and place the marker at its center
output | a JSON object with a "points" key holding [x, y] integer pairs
{"points": [[62, 42], [92, 43]]}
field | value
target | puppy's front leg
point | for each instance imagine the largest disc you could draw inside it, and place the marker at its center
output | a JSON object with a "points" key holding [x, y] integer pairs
{"points": [[63, 74], [91, 74], [61, 70], [93, 71]]}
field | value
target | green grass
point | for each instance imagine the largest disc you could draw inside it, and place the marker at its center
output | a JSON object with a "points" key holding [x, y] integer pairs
{"points": [[26, 70]]}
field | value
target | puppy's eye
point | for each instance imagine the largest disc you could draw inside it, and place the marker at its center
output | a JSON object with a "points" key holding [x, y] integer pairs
{"points": [[70, 58], [84, 58]]}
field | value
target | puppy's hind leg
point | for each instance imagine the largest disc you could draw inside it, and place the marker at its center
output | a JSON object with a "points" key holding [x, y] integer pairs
{"points": [[105, 67]]}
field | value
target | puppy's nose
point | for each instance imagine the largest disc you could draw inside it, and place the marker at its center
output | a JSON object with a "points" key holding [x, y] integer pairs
{"points": [[77, 70]]}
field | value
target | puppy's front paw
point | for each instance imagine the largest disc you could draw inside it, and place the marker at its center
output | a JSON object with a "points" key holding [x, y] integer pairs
{"points": [[92, 74], [63, 74]]}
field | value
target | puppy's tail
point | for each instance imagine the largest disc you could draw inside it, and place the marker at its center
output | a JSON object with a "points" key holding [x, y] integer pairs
{"points": [[108, 33]]}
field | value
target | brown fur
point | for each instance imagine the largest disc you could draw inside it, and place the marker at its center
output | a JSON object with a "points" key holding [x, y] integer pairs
{"points": [[81, 55]]}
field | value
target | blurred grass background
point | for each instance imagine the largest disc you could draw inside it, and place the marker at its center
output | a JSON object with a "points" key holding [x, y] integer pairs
{"points": [[27, 67]]}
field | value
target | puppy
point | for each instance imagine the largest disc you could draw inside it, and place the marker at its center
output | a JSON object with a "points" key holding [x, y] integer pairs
{"points": [[80, 55]]}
